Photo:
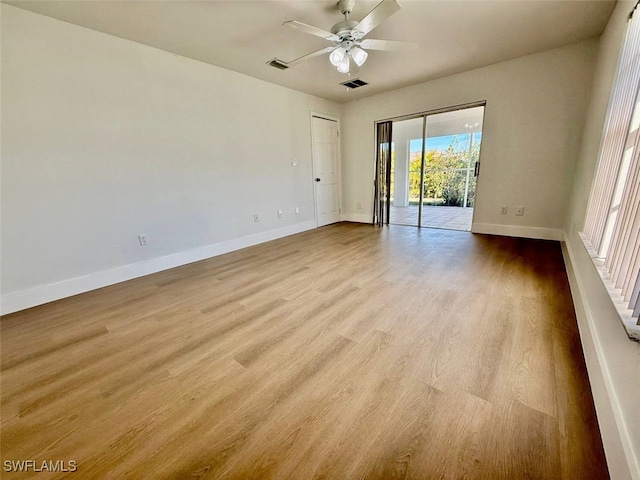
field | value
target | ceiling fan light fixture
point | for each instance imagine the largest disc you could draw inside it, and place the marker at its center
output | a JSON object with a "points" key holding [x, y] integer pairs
{"points": [[344, 65], [347, 36], [337, 56], [359, 56]]}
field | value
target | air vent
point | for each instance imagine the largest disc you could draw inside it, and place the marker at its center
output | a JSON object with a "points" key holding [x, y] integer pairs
{"points": [[357, 83], [279, 64]]}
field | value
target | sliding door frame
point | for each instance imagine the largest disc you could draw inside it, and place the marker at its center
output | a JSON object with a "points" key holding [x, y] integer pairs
{"points": [[422, 158], [424, 115], [453, 108]]}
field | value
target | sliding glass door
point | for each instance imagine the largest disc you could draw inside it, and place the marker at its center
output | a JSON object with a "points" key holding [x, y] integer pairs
{"points": [[406, 168], [434, 164]]}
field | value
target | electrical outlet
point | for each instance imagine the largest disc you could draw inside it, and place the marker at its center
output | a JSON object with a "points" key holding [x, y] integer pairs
{"points": [[297, 211], [280, 214], [519, 211], [359, 206], [503, 210], [256, 218], [294, 162], [143, 239]]}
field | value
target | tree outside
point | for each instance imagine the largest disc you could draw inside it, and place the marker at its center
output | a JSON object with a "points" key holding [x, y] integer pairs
{"points": [[445, 175]]}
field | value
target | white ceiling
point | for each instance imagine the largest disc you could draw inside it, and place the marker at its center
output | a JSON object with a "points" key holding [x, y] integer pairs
{"points": [[242, 35]]}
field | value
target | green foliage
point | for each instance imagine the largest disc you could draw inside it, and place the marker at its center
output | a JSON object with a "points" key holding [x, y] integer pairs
{"points": [[445, 175]]}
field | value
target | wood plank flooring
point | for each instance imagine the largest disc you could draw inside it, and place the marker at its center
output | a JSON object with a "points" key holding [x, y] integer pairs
{"points": [[347, 352]]}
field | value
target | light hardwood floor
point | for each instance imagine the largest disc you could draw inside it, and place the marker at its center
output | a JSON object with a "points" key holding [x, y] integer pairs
{"points": [[345, 352]]}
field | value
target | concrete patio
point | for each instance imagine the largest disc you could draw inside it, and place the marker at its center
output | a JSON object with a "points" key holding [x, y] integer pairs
{"points": [[452, 218]]}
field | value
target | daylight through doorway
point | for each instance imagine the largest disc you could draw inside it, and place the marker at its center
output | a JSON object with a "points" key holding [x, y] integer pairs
{"points": [[434, 166]]}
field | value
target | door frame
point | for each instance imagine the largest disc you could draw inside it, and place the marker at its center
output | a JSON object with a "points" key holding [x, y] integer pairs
{"points": [[324, 116], [435, 111]]}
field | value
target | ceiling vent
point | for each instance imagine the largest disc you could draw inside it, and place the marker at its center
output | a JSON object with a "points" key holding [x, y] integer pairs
{"points": [[279, 64], [357, 83]]}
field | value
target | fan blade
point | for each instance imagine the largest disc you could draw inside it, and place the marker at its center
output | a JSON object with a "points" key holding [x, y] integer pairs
{"points": [[309, 55], [387, 45], [318, 32], [375, 17]]}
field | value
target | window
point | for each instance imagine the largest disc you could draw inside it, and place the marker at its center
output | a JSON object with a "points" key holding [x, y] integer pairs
{"points": [[612, 227]]}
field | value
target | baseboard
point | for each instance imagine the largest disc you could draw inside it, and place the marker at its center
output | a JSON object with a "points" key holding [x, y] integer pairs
{"points": [[488, 228], [13, 302], [518, 231], [357, 217], [615, 438]]}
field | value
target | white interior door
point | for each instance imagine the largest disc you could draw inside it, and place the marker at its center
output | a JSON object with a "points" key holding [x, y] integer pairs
{"points": [[326, 169]]}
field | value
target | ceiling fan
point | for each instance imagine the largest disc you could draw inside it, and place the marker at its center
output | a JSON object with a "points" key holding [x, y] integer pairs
{"points": [[347, 37]]}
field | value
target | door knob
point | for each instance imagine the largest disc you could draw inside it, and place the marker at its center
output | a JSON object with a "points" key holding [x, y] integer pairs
{"points": [[317, 179]]}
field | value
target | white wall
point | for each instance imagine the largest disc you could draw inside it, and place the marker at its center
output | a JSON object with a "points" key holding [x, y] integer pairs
{"points": [[103, 138], [532, 126], [613, 361]]}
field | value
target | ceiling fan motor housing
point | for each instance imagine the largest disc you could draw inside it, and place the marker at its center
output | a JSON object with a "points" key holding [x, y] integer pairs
{"points": [[344, 28]]}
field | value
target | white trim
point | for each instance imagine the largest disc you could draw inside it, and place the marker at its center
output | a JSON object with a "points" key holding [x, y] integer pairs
{"points": [[613, 430], [13, 302], [357, 217], [518, 231], [324, 116]]}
